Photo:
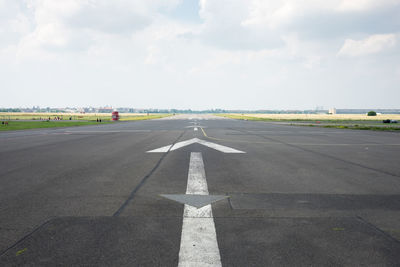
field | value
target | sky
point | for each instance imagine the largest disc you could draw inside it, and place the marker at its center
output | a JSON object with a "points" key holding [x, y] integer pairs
{"points": [[236, 54]]}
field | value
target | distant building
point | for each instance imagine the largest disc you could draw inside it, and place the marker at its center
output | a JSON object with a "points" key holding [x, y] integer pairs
{"points": [[105, 110], [332, 111]]}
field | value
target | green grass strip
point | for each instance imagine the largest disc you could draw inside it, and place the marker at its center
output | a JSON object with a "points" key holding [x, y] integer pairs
{"points": [[354, 127], [337, 123], [24, 125]]}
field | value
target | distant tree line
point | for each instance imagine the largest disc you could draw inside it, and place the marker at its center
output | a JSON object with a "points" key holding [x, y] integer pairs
{"points": [[217, 110], [10, 110]]}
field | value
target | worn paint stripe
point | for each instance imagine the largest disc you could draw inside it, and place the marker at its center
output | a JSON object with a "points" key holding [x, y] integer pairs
{"points": [[184, 143], [160, 150], [199, 246]]}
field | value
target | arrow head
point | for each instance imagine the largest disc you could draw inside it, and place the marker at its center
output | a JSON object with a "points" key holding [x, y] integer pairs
{"points": [[178, 145]]}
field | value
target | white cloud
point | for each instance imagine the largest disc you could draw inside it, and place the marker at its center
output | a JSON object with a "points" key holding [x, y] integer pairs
{"points": [[363, 5], [146, 53], [228, 25], [76, 25], [315, 19], [274, 14], [370, 45], [14, 24]]}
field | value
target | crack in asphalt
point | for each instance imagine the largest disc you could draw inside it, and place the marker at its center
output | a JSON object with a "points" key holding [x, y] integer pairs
{"points": [[144, 179]]}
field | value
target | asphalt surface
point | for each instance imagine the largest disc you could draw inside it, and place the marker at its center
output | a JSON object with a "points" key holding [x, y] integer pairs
{"points": [[299, 196]]}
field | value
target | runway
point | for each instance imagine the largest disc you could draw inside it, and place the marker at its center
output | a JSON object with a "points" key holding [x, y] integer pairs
{"points": [[272, 195]]}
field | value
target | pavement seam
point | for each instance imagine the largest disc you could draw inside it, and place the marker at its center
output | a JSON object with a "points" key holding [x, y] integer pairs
{"points": [[376, 228], [2, 253], [46, 145], [321, 154], [144, 179], [280, 143]]}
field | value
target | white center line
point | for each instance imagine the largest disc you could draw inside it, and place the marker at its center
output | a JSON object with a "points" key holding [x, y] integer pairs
{"points": [[199, 246]]}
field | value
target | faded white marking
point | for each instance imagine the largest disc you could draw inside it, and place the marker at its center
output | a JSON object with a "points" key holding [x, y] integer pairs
{"points": [[195, 126], [178, 145], [199, 246], [183, 144], [195, 129], [109, 131], [160, 150]]}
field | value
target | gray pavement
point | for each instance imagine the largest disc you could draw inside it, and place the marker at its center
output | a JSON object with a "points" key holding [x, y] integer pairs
{"points": [[299, 196]]}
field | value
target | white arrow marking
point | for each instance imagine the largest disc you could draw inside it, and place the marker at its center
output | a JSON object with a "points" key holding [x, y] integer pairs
{"points": [[194, 200], [173, 147], [199, 246], [178, 145], [195, 126]]}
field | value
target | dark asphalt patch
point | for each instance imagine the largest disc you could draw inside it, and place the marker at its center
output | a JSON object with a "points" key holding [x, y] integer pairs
{"points": [[99, 241], [155, 241], [304, 242], [314, 201]]}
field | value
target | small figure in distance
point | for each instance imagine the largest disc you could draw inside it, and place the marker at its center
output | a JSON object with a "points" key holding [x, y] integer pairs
{"points": [[97, 119]]}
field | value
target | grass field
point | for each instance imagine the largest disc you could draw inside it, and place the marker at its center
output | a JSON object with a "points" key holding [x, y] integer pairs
{"points": [[23, 121], [78, 116], [340, 121], [362, 127], [128, 117], [23, 125], [313, 117]]}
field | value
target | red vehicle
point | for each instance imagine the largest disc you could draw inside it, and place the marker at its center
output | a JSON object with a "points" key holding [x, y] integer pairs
{"points": [[115, 115]]}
